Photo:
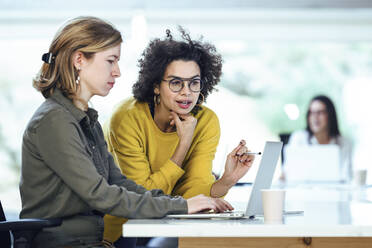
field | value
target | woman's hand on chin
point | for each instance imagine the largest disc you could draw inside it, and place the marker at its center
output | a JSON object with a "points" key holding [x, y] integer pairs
{"points": [[185, 126]]}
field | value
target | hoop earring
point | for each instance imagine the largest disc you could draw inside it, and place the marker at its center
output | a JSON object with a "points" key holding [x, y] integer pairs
{"points": [[157, 99], [201, 101]]}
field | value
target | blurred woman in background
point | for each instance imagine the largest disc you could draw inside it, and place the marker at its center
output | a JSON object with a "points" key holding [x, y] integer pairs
{"points": [[322, 129]]}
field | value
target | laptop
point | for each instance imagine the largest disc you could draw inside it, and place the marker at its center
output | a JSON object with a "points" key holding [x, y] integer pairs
{"points": [[312, 164], [263, 180]]}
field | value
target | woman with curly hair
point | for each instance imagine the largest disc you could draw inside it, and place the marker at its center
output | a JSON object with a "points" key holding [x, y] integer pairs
{"points": [[164, 137]]}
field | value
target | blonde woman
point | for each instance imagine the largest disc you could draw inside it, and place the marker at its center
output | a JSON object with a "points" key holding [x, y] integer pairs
{"points": [[66, 170]]}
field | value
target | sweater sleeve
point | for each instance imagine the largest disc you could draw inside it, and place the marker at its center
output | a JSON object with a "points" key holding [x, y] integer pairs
{"points": [[117, 178], [198, 178], [126, 143], [63, 151]]}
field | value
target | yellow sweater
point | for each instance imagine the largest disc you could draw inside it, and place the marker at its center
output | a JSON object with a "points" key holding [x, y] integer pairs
{"points": [[143, 153]]}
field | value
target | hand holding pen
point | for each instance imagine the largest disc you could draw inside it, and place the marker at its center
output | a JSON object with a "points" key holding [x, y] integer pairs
{"points": [[242, 154], [238, 163], [243, 151]]}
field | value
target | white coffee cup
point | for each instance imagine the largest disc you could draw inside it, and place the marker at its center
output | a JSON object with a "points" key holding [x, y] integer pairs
{"points": [[273, 205], [360, 177]]}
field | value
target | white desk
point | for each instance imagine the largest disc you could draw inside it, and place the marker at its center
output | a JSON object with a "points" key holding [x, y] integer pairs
{"points": [[333, 217]]}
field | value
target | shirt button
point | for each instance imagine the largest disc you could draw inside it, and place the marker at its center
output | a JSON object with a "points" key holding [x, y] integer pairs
{"points": [[93, 147]]}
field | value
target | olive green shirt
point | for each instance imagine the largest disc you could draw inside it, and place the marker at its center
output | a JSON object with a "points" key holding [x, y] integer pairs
{"points": [[67, 171]]}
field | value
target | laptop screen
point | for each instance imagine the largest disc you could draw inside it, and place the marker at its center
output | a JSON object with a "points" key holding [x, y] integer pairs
{"points": [[315, 163], [264, 176]]}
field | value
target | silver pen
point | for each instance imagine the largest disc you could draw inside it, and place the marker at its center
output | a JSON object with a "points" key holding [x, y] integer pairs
{"points": [[250, 153]]}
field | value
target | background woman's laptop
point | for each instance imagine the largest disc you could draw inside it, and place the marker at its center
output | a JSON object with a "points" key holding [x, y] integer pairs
{"points": [[312, 164], [263, 180]]}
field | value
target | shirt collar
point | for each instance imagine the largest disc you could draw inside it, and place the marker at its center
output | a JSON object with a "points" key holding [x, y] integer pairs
{"points": [[314, 141], [89, 117]]}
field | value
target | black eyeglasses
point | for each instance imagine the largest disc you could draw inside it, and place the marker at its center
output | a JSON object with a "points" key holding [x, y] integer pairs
{"points": [[318, 112], [176, 84]]}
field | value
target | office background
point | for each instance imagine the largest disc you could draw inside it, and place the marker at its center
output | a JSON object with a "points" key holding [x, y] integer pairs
{"points": [[277, 55]]}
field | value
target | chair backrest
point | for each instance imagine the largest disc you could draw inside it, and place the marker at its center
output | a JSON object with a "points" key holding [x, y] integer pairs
{"points": [[2, 214], [5, 235], [284, 137]]}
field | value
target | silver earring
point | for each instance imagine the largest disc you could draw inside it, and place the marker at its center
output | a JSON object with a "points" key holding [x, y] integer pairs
{"points": [[78, 77]]}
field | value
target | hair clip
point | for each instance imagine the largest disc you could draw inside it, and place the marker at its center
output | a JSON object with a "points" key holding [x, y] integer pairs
{"points": [[169, 35], [48, 58]]}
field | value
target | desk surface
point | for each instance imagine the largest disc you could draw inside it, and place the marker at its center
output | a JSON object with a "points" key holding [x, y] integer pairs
{"points": [[329, 211]]}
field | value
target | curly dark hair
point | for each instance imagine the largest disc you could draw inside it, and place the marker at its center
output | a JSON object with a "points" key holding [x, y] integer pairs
{"points": [[161, 52]]}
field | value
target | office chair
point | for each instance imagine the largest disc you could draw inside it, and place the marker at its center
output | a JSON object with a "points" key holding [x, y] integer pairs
{"points": [[23, 230], [284, 137]]}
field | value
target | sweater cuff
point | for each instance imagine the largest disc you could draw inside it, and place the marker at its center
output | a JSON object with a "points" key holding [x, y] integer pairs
{"points": [[172, 172], [205, 189]]}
